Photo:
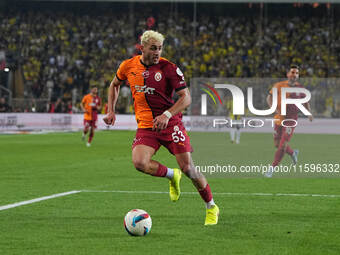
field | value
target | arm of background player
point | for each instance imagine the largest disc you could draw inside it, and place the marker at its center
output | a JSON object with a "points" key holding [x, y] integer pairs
{"points": [[99, 106], [111, 101], [82, 106], [310, 117], [161, 121], [270, 100]]}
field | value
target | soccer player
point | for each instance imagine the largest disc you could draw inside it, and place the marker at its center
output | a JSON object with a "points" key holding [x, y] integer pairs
{"points": [[235, 129], [282, 135], [90, 104], [153, 81]]}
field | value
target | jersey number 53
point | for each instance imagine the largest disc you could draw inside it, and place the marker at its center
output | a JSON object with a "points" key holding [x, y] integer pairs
{"points": [[177, 135]]}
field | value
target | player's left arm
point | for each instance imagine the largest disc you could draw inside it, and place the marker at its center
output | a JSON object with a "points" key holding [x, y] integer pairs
{"points": [[182, 103], [307, 105], [99, 105], [161, 121]]}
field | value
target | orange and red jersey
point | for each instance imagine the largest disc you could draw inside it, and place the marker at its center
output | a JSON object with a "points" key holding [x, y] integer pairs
{"points": [[90, 104], [291, 110], [152, 88]]}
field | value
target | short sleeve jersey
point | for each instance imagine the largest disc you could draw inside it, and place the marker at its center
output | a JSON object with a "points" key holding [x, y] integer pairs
{"points": [[90, 102], [152, 88], [291, 110]]}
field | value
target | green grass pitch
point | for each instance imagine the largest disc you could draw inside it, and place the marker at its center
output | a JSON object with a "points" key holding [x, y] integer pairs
{"points": [[33, 166]]}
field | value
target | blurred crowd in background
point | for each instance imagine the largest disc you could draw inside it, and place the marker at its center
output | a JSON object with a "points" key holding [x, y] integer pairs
{"points": [[62, 51]]}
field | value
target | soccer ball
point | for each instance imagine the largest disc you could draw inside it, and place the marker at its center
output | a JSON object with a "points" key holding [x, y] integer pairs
{"points": [[137, 222]]}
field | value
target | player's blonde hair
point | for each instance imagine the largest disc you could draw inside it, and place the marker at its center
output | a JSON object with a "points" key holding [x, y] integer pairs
{"points": [[150, 34]]}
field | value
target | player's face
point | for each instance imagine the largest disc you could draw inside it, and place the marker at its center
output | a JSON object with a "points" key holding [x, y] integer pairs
{"points": [[94, 91], [152, 52], [293, 75]]}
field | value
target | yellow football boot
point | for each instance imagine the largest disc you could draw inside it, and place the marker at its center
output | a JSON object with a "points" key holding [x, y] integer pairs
{"points": [[175, 189], [212, 214]]}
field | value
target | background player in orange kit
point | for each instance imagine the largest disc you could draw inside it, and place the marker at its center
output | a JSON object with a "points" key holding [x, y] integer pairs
{"points": [[153, 81], [90, 104], [282, 135]]}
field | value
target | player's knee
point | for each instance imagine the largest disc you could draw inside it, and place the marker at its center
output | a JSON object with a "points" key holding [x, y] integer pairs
{"points": [[193, 174], [283, 146], [185, 168], [140, 164], [188, 169]]}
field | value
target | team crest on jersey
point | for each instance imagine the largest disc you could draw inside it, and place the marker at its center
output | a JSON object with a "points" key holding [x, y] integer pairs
{"points": [[176, 128], [158, 76], [146, 74]]}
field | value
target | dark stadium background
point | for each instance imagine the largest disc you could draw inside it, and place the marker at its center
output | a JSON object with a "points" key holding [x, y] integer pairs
{"points": [[230, 40], [58, 196]]}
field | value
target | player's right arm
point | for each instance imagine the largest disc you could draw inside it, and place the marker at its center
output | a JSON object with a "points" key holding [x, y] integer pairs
{"points": [[269, 100], [110, 118], [82, 105]]}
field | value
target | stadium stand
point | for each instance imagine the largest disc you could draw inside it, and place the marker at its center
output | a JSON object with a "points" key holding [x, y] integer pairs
{"points": [[62, 50]]}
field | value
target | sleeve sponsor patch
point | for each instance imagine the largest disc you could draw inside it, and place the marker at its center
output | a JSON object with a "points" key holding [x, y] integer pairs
{"points": [[179, 72]]}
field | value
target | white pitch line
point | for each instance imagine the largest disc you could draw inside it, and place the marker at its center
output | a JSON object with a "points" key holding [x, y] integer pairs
{"points": [[215, 193], [5, 207]]}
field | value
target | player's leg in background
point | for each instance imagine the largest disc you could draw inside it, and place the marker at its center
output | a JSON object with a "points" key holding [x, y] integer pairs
{"points": [[232, 135], [141, 158], [277, 135], [85, 130], [292, 153], [278, 156], [278, 153], [186, 164], [286, 134], [238, 134], [289, 150], [91, 135], [92, 130]]}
